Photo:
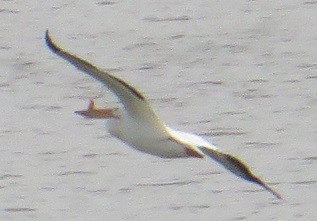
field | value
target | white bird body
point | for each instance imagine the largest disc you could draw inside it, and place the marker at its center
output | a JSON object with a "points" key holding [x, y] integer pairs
{"points": [[156, 138], [137, 124]]}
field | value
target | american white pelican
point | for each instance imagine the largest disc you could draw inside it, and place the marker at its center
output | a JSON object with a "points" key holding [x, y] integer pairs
{"points": [[137, 124]]}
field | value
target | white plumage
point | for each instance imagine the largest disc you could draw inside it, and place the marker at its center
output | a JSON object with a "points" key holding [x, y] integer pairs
{"points": [[137, 124]]}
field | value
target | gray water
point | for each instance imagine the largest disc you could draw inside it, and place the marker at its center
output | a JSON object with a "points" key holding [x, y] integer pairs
{"points": [[240, 73]]}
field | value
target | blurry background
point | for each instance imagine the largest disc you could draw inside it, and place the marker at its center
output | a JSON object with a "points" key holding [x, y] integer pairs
{"points": [[240, 73]]}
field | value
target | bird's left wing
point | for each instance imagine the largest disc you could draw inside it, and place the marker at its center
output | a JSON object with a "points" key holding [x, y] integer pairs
{"points": [[133, 100]]}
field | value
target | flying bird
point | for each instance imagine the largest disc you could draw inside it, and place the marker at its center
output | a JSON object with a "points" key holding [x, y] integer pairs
{"points": [[137, 124]]}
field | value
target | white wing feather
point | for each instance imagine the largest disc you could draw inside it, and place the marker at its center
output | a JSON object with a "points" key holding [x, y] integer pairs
{"points": [[134, 102]]}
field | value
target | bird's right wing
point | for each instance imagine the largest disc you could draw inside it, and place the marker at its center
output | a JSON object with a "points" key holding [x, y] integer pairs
{"points": [[237, 167]]}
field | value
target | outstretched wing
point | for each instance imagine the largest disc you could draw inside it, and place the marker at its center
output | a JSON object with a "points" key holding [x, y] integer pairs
{"points": [[134, 101], [237, 167]]}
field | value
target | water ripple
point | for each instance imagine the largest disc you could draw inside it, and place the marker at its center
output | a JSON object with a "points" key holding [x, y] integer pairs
{"points": [[217, 132], [68, 173], [6, 176], [173, 183], [19, 209], [167, 19]]}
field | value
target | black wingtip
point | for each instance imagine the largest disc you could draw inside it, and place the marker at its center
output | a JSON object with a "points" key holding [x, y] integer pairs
{"points": [[239, 168], [48, 39], [49, 42], [268, 188], [260, 182]]}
